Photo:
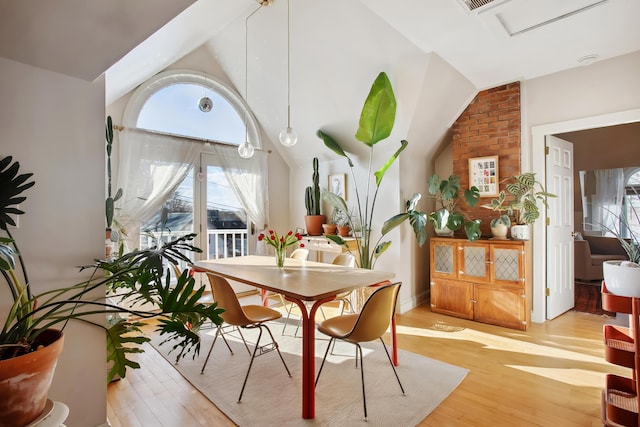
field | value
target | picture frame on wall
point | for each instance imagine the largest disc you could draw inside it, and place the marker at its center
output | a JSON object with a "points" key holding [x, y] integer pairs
{"points": [[483, 173], [338, 184]]}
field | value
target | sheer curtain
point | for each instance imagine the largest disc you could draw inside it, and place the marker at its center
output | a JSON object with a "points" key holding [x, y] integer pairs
{"points": [[248, 178], [607, 200], [150, 168]]}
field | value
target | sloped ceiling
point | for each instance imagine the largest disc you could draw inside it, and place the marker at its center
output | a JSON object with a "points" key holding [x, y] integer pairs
{"points": [[337, 46]]}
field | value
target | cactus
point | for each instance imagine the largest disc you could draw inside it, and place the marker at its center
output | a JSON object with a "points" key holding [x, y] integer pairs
{"points": [[312, 194]]}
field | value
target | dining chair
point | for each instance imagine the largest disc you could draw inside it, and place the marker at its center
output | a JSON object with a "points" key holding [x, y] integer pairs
{"points": [[300, 253], [247, 317], [344, 298], [371, 324]]}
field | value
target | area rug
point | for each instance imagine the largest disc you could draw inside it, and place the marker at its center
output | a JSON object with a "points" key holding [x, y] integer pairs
{"points": [[271, 398]]}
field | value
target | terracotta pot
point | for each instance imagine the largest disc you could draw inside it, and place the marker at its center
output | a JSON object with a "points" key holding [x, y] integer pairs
{"points": [[25, 381], [344, 230], [314, 224], [329, 229]]}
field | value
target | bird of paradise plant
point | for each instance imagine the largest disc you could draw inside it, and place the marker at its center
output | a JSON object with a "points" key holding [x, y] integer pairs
{"points": [[376, 123]]}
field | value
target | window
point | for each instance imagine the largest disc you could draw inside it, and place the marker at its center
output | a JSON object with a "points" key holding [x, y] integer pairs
{"points": [[631, 204], [183, 179]]}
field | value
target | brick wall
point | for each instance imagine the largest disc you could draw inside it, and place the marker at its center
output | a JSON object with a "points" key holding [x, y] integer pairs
{"points": [[489, 126]]}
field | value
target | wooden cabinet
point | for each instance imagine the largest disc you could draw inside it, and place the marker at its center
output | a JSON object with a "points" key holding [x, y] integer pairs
{"points": [[486, 280]]}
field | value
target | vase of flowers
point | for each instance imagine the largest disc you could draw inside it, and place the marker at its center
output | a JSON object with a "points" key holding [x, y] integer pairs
{"points": [[281, 243]]}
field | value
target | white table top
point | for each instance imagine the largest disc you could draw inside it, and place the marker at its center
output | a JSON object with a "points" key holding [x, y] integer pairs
{"points": [[302, 280]]}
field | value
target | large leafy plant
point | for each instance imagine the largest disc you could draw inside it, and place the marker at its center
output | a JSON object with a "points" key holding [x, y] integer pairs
{"points": [[446, 194], [376, 123], [520, 198], [139, 276]]}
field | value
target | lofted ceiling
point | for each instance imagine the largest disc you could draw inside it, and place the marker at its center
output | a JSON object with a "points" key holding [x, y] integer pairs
{"points": [[337, 46]]}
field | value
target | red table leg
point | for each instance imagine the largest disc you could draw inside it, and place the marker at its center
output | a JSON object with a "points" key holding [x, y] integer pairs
{"points": [[308, 356]]}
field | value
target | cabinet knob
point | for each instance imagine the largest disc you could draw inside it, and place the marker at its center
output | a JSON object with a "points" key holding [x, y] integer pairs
{"points": [[473, 300]]}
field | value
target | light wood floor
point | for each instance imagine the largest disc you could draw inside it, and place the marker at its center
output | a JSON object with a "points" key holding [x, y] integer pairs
{"points": [[550, 375]]}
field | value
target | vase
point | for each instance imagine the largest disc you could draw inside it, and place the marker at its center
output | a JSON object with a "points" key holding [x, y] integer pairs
{"points": [[280, 256]]}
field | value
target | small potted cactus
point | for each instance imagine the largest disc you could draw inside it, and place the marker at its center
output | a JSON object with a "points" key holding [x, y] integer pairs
{"points": [[313, 220]]}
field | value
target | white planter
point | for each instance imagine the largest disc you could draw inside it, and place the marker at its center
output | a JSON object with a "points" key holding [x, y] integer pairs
{"points": [[499, 231], [520, 232], [622, 278]]}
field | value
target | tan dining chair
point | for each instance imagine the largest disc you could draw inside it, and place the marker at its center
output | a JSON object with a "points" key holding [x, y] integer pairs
{"points": [[371, 324], [247, 317]]}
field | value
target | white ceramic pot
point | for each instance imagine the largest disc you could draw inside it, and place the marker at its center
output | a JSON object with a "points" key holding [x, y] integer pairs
{"points": [[520, 232], [499, 231], [622, 278], [444, 232]]}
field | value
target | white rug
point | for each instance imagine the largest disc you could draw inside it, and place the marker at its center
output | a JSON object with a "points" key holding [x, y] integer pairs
{"points": [[271, 398]]}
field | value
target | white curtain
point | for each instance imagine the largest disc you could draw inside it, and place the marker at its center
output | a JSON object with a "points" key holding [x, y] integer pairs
{"points": [[248, 179], [151, 166], [607, 200]]}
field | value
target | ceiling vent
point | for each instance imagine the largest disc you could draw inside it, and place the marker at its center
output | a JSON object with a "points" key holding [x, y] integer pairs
{"points": [[477, 6]]}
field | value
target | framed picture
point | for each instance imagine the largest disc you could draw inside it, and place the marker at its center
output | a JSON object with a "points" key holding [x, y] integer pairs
{"points": [[337, 184], [483, 173]]}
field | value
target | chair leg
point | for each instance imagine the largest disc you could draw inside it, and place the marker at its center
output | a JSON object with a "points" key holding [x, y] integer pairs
{"points": [[364, 395], [211, 349], [253, 355], [393, 367], [275, 343], [286, 321], [323, 359], [243, 340]]}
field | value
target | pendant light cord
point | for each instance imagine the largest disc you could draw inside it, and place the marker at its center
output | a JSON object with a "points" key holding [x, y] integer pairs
{"points": [[246, 71], [288, 63]]}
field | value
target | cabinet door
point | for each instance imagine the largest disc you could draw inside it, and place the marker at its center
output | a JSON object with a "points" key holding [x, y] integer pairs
{"points": [[500, 305], [507, 264], [444, 261], [452, 297], [473, 262]]}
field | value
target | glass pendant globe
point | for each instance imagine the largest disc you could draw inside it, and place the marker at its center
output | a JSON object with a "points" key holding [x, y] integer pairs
{"points": [[246, 150], [288, 137], [205, 104]]}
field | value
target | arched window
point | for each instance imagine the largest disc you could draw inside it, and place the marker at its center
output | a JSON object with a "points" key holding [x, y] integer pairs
{"points": [[630, 224], [179, 167]]}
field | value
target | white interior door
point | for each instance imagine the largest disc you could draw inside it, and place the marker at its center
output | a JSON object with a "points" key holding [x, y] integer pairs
{"points": [[559, 181]]}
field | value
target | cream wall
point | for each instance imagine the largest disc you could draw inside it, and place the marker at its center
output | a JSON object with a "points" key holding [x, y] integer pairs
{"points": [[54, 126], [604, 93]]}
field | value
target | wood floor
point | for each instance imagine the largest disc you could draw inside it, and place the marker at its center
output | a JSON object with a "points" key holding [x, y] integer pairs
{"points": [[550, 375]]}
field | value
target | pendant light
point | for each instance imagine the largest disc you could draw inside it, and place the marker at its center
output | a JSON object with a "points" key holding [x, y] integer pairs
{"points": [[288, 137], [205, 104], [246, 149]]}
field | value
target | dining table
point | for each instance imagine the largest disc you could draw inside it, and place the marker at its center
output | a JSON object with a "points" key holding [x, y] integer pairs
{"points": [[300, 281]]}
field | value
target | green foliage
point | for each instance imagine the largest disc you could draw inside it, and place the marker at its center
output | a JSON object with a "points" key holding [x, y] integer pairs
{"points": [[376, 123], [520, 198], [312, 194], [446, 194], [139, 276], [110, 202]]}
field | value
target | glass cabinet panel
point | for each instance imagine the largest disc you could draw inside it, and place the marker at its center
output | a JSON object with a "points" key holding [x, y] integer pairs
{"points": [[506, 264], [443, 257]]}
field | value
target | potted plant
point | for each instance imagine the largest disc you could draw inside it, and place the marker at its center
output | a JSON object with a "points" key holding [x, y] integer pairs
{"points": [[520, 201], [341, 219], [33, 328], [447, 218], [376, 123], [623, 277], [110, 201], [313, 220]]}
